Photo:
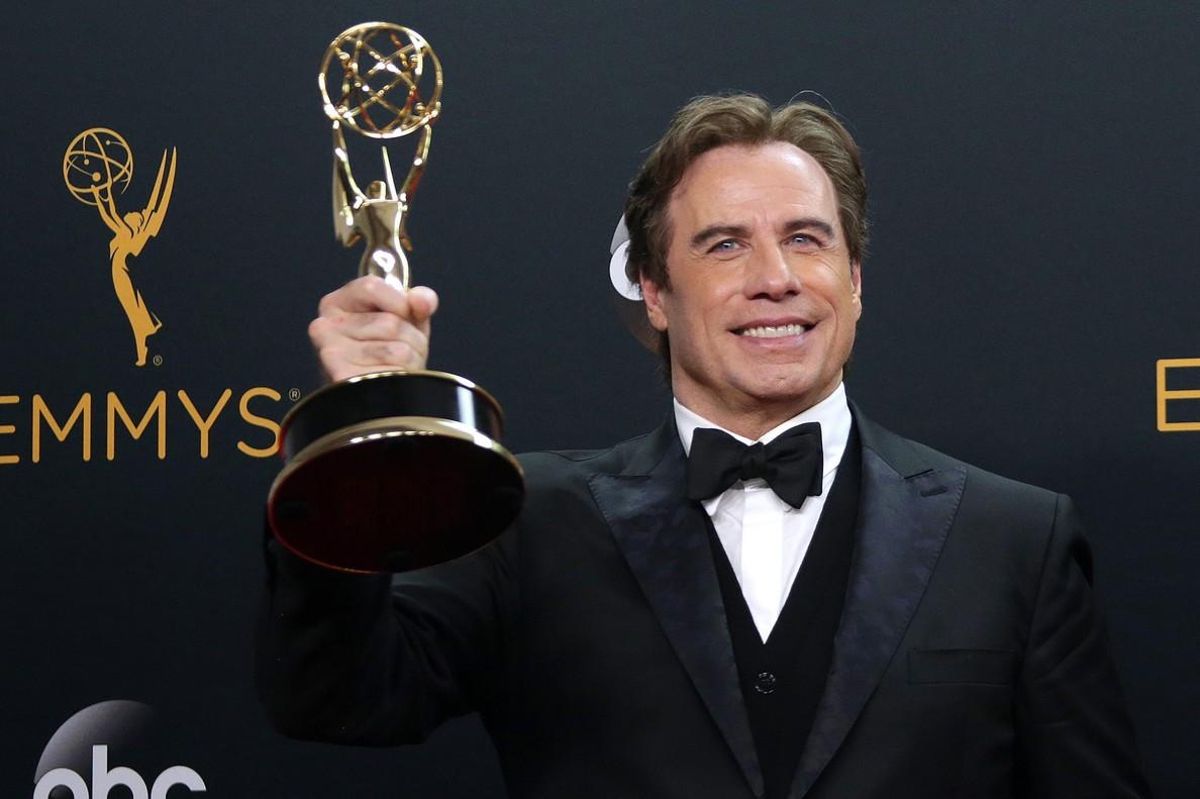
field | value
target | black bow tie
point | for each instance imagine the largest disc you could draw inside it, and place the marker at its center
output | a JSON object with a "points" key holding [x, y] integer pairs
{"points": [[791, 464]]}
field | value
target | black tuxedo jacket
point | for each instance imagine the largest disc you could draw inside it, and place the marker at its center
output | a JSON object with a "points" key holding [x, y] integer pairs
{"points": [[970, 659]]}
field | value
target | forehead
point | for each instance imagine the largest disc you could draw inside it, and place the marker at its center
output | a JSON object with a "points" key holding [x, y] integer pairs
{"points": [[740, 184]]}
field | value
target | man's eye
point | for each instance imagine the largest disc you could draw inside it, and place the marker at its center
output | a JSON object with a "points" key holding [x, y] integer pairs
{"points": [[804, 240], [724, 246]]}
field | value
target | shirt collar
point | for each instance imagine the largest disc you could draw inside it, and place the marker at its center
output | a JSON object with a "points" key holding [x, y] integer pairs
{"points": [[833, 414]]}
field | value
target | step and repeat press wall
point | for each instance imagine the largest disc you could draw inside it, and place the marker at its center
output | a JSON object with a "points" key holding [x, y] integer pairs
{"points": [[1031, 305]]}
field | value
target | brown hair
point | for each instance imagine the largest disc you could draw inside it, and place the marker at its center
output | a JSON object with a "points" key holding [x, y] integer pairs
{"points": [[709, 122]]}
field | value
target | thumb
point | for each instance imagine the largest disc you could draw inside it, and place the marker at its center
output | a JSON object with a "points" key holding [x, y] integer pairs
{"points": [[422, 303]]}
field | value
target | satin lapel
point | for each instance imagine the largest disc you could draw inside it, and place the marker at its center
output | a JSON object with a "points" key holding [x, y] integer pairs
{"points": [[905, 513], [664, 540]]}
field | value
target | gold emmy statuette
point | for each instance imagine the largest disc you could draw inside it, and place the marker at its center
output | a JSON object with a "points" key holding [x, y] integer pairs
{"points": [[394, 470]]}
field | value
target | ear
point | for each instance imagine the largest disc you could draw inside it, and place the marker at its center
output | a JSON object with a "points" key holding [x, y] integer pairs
{"points": [[652, 295], [856, 288]]}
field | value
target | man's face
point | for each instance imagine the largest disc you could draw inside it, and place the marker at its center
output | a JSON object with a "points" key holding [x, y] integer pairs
{"points": [[763, 299]]}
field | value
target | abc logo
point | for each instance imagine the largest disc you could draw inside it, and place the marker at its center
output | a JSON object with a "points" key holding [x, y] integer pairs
{"points": [[56, 783]]}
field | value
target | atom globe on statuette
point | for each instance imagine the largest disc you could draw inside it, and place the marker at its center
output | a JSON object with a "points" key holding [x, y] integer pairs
{"points": [[96, 162], [393, 470]]}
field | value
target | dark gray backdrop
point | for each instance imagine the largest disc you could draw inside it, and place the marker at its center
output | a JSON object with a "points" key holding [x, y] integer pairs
{"points": [[1033, 172]]}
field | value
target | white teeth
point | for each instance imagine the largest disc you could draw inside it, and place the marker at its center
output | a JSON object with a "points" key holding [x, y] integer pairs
{"points": [[773, 331]]}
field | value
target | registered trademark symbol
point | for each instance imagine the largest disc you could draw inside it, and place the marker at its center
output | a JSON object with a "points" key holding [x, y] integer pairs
{"points": [[294, 394], [158, 360]]}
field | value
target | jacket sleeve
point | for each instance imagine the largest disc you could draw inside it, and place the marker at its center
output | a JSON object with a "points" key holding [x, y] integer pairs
{"points": [[1075, 736], [380, 659]]}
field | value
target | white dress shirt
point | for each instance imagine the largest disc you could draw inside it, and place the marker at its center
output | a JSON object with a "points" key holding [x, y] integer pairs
{"points": [[765, 538]]}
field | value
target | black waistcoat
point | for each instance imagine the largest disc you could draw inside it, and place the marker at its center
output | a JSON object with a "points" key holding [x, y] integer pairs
{"points": [[782, 679]]}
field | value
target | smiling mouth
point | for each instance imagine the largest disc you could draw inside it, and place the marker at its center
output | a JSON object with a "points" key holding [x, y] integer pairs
{"points": [[773, 331]]}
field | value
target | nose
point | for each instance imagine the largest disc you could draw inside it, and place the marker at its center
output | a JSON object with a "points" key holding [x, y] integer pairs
{"points": [[770, 275]]}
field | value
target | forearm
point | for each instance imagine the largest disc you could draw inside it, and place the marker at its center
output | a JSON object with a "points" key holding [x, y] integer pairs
{"points": [[355, 659]]}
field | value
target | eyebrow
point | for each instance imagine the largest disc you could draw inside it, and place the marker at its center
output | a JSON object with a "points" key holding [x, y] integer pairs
{"points": [[809, 223], [714, 231], [741, 231]]}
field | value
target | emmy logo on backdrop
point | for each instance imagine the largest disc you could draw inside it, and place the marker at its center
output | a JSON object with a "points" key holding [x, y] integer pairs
{"points": [[400, 469], [97, 164], [75, 421]]}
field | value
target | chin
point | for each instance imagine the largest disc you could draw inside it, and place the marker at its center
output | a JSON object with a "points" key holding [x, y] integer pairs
{"points": [[787, 388]]}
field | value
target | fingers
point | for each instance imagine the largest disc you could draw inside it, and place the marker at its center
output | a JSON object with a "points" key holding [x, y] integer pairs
{"points": [[371, 326], [343, 360], [365, 294], [368, 326]]}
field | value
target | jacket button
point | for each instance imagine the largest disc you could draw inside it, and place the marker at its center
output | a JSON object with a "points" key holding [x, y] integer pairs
{"points": [[765, 682]]}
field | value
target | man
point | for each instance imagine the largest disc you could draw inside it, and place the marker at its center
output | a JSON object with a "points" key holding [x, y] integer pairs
{"points": [[802, 605]]}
